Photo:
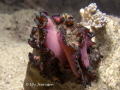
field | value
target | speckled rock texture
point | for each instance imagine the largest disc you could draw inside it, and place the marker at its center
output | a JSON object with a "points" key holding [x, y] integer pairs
{"points": [[14, 32], [14, 48], [109, 67]]}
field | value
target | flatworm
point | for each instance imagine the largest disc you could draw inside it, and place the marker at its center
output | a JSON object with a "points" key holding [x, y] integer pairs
{"points": [[60, 40]]}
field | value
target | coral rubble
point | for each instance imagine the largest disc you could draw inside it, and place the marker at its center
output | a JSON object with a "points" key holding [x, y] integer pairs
{"points": [[93, 17]]}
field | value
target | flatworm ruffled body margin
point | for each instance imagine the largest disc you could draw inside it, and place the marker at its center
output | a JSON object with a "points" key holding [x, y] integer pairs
{"points": [[73, 50]]}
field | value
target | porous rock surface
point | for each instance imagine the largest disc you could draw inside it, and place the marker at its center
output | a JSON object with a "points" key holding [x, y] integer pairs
{"points": [[14, 48]]}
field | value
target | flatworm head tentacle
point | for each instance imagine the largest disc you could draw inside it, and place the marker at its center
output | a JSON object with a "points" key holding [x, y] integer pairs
{"points": [[57, 19]]}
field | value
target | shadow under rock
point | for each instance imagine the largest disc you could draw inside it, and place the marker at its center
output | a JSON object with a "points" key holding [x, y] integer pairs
{"points": [[103, 41]]}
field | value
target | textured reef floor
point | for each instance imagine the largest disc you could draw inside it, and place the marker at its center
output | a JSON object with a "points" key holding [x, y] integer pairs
{"points": [[15, 29]]}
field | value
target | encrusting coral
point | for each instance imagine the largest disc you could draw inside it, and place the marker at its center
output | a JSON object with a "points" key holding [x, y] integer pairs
{"points": [[93, 17]]}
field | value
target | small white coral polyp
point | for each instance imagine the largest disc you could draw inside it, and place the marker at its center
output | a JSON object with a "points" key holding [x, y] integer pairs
{"points": [[93, 17]]}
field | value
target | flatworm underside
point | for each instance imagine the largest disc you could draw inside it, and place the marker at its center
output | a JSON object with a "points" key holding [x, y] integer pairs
{"points": [[66, 43]]}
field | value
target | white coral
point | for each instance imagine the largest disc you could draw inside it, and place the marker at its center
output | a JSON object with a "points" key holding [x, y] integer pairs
{"points": [[93, 17]]}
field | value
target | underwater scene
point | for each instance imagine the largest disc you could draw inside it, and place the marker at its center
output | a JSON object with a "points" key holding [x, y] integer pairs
{"points": [[60, 45]]}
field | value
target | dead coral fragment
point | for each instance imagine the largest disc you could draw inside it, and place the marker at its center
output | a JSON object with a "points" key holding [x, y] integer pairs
{"points": [[93, 17]]}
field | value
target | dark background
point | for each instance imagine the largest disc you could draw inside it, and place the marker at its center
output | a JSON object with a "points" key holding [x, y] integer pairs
{"points": [[110, 7]]}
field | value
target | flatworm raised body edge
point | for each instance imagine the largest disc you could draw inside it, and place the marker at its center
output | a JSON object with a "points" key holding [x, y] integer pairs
{"points": [[57, 44]]}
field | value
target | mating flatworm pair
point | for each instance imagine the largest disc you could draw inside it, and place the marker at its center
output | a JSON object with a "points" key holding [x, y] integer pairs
{"points": [[62, 43]]}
